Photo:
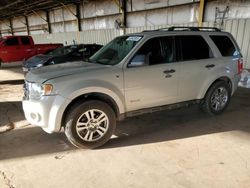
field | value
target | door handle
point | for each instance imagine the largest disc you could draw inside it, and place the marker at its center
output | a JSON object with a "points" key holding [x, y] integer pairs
{"points": [[210, 66], [169, 71]]}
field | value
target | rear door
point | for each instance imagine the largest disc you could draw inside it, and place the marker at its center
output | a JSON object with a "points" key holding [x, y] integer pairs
{"points": [[197, 62], [27, 47], [154, 80], [230, 52]]}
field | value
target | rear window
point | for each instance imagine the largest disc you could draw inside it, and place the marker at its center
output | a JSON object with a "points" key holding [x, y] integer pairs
{"points": [[192, 47], [25, 40], [224, 44]]}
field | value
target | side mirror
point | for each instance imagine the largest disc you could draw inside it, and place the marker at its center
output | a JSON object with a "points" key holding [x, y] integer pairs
{"points": [[137, 61]]}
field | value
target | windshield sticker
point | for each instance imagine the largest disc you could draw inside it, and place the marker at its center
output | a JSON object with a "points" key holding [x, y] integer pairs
{"points": [[134, 38]]}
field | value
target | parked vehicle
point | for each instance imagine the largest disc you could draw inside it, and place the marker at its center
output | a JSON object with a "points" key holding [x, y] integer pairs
{"points": [[61, 55], [134, 74], [20, 48]]}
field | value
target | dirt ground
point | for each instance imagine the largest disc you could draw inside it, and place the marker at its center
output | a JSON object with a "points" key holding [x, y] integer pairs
{"points": [[181, 148]]}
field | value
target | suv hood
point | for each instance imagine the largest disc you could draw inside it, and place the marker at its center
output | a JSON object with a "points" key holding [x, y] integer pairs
{"points": [[43, 74]]}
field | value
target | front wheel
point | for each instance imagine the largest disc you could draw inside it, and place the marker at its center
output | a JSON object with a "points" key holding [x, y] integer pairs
{"points": [[217, 98], [90, 124]]}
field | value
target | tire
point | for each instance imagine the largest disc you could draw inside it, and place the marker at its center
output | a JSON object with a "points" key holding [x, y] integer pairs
{"points": [[84, 130], [217, 98]]}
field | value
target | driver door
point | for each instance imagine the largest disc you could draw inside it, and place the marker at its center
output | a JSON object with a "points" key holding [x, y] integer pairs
{"points": [[152, 76]]}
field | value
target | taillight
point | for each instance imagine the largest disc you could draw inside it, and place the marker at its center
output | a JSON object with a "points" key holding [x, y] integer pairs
{"points": [[240, 65]]}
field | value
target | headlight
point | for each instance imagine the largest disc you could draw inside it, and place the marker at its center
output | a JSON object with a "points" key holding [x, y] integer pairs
{"points": [[39, 65], [36, 91]]}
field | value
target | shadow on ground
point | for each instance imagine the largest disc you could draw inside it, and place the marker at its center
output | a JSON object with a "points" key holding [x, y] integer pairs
{"points": [[151, 128], [12, 65], [11, 112], [183, 123], [11, 72], [31, 141], [12, 82]]}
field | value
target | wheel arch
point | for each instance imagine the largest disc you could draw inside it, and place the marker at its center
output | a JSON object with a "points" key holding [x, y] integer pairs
{"points": [[223, 78], [92, 96]]}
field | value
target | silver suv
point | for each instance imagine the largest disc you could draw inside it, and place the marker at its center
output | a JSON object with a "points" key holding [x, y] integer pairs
{"points": [[134, 74]]}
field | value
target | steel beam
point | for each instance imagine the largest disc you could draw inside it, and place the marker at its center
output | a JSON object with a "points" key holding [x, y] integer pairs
{"points": [[77, 14], [46, 20], [10, 4], [67, 8]]}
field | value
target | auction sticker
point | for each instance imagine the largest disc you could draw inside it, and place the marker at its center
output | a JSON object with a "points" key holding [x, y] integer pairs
{"points": [[134, 38]]}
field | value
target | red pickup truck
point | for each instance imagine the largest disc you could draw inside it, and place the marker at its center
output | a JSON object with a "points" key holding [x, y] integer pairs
{"points": [[20, 48]]}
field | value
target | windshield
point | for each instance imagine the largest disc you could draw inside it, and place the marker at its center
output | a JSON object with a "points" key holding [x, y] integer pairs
{"points": [[116, 50], [62, 51]]}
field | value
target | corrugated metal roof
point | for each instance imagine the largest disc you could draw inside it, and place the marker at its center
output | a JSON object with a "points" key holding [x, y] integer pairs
{"points": [[13, 8]]}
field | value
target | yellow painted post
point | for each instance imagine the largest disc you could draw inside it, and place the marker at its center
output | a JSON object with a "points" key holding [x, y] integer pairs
{"points": [[201, 12]]}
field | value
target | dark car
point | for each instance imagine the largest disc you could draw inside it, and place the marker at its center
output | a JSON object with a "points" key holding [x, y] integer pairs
{"points": [[62, 55]]}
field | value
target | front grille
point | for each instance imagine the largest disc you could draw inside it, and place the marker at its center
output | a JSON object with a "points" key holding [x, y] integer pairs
{"points": [[26, 90]]}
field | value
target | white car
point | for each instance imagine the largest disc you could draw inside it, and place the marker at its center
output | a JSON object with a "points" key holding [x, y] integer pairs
{"points": [[134, 74]]}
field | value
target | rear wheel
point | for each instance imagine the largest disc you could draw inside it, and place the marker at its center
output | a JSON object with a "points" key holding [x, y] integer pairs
{"points": [[217, 98], [90, 124]]}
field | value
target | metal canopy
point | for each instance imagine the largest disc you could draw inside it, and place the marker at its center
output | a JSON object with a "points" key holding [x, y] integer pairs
{"points": [[14, 8]]}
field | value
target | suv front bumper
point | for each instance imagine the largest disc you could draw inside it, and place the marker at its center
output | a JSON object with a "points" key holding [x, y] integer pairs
{"points": [[46, 112]]}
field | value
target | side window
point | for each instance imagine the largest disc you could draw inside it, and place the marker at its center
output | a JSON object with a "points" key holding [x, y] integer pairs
{"points": [[12, 41], [94, 49], [155, 51], [168, 52], [152, 52], [25, 40], [81, 52], [224, 44], [192, 47]]}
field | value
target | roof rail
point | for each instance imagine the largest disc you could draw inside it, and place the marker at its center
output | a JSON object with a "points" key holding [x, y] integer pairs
{"points": [[183, 28]]}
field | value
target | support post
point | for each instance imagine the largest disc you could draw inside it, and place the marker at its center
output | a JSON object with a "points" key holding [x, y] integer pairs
{"points": [[201, 12], [124, 13], [11, 27], [27, 25], [78, 16], [122, 4], [48, 22]]}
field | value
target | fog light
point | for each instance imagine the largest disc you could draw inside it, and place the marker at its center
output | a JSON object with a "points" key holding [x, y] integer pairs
{"points": [[35, 116]]}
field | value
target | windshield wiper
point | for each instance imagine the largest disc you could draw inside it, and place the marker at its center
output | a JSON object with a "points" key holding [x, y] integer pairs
{"points": [[90, 60], [95, 61]]}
